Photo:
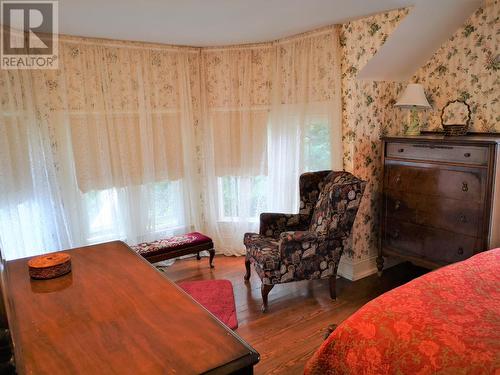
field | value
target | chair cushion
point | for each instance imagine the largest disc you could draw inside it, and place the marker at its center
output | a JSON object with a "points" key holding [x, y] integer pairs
{"points": [[263, 250], [184, 241]]}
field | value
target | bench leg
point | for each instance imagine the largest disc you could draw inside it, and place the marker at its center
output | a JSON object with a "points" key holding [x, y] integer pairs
{"points": [[198, 256], [212, 254]]}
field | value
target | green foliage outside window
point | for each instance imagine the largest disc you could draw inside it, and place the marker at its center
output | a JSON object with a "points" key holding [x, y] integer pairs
{"points": [[317, 154]]}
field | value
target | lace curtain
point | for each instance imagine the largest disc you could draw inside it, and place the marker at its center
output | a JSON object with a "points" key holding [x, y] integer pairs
{"points": [[32, 220], [138, 141], [272, 112], [100, 149]]}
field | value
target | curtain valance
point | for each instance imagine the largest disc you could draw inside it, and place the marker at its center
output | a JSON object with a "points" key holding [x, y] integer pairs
{"points": [[125, 108]]}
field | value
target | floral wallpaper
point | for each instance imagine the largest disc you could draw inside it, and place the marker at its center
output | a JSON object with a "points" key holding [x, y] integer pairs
{"points": [[367, 113], [465, 67]]}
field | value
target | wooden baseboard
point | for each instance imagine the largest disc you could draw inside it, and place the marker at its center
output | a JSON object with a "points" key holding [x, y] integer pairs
{"points": [[358, 269]]}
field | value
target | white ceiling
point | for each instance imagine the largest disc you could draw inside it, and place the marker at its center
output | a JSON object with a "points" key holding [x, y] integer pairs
{"points": [[223, 22], [209, 22]]}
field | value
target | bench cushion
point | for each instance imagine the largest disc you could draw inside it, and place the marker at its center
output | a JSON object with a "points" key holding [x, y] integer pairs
{"points": [[184, 241]]}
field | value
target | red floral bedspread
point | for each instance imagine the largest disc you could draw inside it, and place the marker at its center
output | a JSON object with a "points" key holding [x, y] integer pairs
{"points": [[445, 322]]}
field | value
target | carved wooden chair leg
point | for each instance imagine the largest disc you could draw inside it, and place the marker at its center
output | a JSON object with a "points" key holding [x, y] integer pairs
{"points": [[198, 256], [333, 284], [212, 254], [265, 289], [247, 266]]}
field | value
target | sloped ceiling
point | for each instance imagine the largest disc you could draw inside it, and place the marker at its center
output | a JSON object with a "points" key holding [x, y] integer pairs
{"points": [[429, 24]]}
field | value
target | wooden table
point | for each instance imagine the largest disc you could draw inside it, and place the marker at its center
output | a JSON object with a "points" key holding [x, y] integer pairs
{"points": [[115, 314]]}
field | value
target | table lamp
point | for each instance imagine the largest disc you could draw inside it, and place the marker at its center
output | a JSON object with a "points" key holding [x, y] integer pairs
{"points": [[414, 99]]}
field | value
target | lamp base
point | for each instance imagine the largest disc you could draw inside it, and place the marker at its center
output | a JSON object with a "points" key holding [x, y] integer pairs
{"points": [[413, 127], [412, 132]]}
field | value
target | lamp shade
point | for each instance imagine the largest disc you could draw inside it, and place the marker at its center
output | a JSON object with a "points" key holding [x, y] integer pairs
{"points": [[413, 97]]}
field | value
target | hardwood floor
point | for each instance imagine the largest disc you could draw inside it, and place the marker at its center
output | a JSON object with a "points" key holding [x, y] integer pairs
{"points": [[299, 313]]}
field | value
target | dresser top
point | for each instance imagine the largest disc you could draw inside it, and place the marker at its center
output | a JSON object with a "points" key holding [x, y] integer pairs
{"points": [[487, 138]]}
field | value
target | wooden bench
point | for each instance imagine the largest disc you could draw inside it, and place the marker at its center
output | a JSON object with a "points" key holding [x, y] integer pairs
{"points": [[174, 247]]}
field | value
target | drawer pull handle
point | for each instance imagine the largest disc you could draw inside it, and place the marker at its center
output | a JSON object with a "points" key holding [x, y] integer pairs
{"points": [[465, 187], [467, 154], [462, 219], [397, 205], [395, 234], [401, 150], [398, 179], [460, 251]]}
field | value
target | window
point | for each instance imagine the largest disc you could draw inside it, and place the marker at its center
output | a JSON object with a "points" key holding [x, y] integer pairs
{"points": [[241, 197], [316, 146], [168, 205], [105, 209], [22, 228], [102, 215], [244, 198]]}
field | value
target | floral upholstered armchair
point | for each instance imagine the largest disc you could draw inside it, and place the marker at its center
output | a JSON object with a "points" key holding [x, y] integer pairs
{"points": [[307, 245]]}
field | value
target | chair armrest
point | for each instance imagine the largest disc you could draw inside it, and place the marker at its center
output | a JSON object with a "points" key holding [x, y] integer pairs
{"points": [[298, 244], [273, 224], [298, 236]]}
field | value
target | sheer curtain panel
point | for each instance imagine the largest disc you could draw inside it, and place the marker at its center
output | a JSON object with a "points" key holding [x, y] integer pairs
{"points": [[272, 111], [101, 149], [138, 141]]}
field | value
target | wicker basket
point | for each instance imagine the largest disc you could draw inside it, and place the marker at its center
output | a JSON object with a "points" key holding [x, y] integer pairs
{"points": [[452, 130], [456, 129]]}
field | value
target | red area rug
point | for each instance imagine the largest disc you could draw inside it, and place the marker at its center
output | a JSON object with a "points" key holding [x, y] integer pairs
{"points": [[216, 296]]}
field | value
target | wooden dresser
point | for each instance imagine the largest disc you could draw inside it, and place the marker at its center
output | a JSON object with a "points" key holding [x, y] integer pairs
{"points": [[440, 199]]}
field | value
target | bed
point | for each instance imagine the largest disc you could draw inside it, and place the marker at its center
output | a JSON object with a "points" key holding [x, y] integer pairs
{"points": [[445, 322]]}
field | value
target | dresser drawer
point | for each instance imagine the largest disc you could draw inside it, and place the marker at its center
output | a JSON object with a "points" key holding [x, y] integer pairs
{"points": [[447, 247], [447, 153], [452, 182], [462, 217], [433, 244], [403, 237]]}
